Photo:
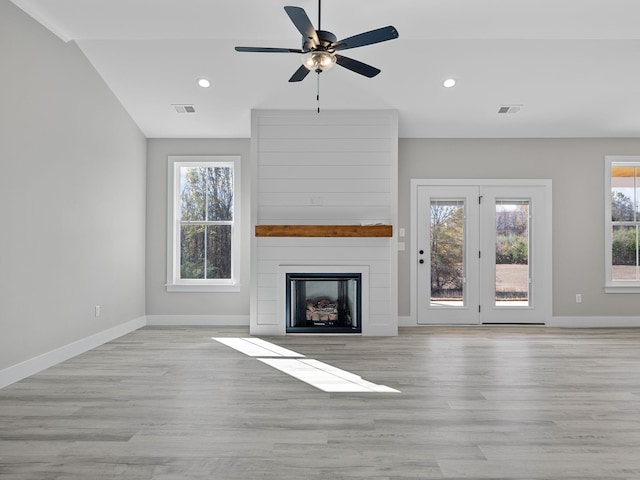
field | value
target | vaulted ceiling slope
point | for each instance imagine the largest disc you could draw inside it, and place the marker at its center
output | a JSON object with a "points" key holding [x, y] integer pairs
{"points": [[573, 66]]}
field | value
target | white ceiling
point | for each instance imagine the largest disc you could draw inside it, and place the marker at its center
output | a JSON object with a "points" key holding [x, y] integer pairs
{"points": [[574, 65]]}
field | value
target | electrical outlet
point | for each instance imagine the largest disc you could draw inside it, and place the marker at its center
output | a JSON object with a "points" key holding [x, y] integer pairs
{"points": [[97, 310], [578, 298]]}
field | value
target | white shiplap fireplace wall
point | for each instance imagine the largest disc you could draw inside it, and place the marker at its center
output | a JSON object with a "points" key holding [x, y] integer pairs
{"points": [[332, 168]]}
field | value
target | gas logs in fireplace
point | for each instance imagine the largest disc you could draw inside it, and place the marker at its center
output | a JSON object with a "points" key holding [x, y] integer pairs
{"points": [[324, 303]]}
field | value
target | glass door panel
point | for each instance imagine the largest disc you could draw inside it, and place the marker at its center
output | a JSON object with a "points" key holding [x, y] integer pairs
{"points": [[446, 241], [512, 253]]}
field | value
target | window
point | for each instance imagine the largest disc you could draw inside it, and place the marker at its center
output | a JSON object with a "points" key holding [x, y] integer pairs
{"points": [[203, 224], [622, 210]]}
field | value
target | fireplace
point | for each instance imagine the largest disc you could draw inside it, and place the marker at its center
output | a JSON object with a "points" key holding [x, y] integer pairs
{"points": [[323, 302]]}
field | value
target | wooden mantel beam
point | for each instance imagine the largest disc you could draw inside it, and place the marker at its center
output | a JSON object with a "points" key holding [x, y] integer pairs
{"points": [[324, 231]]}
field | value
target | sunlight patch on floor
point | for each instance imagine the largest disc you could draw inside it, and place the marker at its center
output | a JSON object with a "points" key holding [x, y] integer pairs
{"points": [[324, 376], [313, 372], [255, 347]]}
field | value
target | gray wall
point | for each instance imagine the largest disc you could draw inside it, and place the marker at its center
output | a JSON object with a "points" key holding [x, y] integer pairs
{"points": [[159, 302], [576, 167], [72, 196]]}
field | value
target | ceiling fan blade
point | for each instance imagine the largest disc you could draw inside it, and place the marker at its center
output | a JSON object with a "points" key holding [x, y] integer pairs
{"points": [[367, 38], [356, 66], [299, 74], [300, 19], [268, 49]]}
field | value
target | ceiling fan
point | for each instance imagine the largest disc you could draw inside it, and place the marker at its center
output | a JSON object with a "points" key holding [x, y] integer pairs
{"points": [[319, 46]]}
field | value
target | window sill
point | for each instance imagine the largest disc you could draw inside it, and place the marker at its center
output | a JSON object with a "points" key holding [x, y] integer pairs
{"points": [[622, 289], [179, 287]]}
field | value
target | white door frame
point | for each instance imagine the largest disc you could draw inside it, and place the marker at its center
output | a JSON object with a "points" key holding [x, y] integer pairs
{"points": [[546, 289]]}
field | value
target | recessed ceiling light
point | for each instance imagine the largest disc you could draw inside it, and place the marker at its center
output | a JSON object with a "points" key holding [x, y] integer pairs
{"points": [[204, 83], [449, 82]]}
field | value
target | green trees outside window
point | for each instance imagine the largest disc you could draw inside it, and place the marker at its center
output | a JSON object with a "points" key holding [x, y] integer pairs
{"points": [[512, 235], [206, 220], [625, 232], [447, 238], [447, 249]]}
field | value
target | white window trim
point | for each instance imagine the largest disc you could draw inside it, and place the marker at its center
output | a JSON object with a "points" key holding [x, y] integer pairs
{"points": [[175, 284], [610, 285]]}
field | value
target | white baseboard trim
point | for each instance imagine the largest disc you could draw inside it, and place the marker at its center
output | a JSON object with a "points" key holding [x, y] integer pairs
{"points": [[34, 365], [407, 322], [186, 320], [563, 322], [594, 322], [380, 331]]}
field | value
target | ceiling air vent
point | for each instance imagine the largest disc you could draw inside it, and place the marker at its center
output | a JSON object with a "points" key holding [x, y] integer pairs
{"points": [[509, 108], [184, 108]]}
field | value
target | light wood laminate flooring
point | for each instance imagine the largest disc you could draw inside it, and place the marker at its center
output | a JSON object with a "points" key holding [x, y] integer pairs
{"points": [[476, 403]]}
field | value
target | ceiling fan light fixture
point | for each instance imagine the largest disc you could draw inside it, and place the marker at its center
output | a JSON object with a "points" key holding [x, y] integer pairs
{"points": [[319, 60]]}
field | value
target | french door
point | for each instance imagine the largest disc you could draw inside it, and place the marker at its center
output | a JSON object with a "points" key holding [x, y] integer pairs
{"points": [[483, 254]]}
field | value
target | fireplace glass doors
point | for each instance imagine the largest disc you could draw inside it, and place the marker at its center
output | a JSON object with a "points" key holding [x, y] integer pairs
{"points": [[324, 302]]}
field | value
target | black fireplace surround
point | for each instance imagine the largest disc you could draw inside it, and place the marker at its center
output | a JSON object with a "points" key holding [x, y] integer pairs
{"points": [[324, 302]]}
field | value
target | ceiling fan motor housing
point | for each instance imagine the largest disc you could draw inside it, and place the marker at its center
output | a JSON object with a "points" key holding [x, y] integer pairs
{"points": [[326, 40]]}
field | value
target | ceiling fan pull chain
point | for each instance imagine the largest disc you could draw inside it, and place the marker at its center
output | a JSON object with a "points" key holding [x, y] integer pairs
{"points": [[318, 92]]}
